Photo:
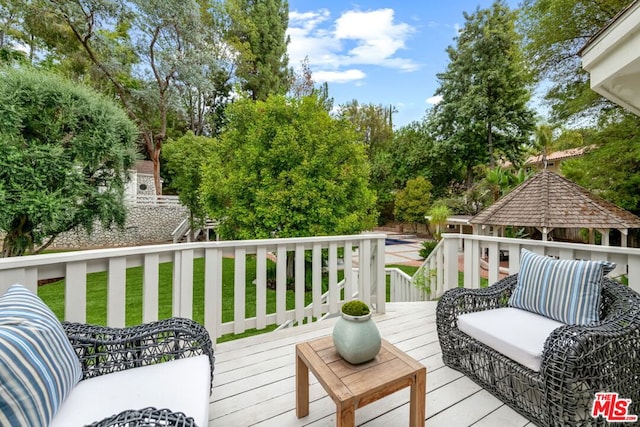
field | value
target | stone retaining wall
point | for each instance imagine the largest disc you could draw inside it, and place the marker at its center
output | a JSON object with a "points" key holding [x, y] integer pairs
{"points": [[144, 225]]}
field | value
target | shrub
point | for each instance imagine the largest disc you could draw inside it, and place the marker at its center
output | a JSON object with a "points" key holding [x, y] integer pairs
{"points": [[427, 247]]}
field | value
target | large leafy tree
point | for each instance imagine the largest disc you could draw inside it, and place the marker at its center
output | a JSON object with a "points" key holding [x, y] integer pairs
{"points": [[612, 168], [413, 202], [12, 33], [65, 152], [185, 157], [485, 90], [374, 124], [286, 168], [555, 31], [138, 50], [257, 31]]}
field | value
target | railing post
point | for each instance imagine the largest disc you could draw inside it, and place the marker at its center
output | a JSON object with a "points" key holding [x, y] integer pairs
{"points": [[364, 279], [634, 272], [380, 278], [299, 283], [261, 287], [450, 262], [213, 292], [334, 293], [281, 284], [239, 290], [75, 300], [183, 284], [116, 292], [150, 291]]}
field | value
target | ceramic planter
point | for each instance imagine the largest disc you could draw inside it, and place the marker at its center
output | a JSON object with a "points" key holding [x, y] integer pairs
{"points": [[356, 338]]}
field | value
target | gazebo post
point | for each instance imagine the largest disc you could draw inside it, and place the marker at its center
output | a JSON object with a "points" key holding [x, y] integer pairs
{"points": [[605, 236], [624, 237]]}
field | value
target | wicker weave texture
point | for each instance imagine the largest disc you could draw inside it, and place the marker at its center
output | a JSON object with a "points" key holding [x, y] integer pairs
{"points": [[147, 417], [577, 361], [103, 350]]}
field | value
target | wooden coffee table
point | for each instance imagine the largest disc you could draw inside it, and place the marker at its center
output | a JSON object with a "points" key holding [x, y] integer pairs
{"points": [[354, 386]]}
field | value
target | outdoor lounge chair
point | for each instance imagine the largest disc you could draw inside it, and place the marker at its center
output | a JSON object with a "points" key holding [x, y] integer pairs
{"points": [[71, 374], [103, 351], [556, 386]]}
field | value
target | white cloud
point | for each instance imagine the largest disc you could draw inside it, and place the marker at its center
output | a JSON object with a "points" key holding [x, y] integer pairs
{"points": [[434, 100], [377, 37], [339, 76], [355, 38]]}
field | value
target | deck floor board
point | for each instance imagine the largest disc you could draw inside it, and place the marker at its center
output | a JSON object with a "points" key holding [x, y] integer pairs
{"points": [[254, 380]]}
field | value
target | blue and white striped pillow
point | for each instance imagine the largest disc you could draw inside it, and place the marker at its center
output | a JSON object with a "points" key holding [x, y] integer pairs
{"points": [[565, 290], [38, 366]]}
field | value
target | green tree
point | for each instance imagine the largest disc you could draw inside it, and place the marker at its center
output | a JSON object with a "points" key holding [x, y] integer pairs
{"points": [[485, 89], [374, 124], [438, 214], [185, 158], [12, 32], [414, 152], [257, 31], [555, 31], [287, 168], [140, 48], [543, 142], [612, 170], [414, 200], [65, 152]]}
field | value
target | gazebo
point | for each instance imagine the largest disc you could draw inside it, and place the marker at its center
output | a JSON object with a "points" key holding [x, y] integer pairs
{"points": [[548, 201]]}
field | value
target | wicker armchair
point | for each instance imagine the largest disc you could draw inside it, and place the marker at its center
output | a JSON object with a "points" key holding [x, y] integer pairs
{"points": [[103, 350], [577, 361]]}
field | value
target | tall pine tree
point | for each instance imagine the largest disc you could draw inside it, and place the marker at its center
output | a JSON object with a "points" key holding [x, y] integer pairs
{"points": [[484, 115], [257, 31]]}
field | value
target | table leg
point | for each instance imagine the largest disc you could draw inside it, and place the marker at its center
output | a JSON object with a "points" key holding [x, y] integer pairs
{"points": [[346, 414], [302, 388], [417, 410]]}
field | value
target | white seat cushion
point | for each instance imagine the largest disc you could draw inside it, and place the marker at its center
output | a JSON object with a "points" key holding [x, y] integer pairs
{"points": [[518, 334], [179, 385]]}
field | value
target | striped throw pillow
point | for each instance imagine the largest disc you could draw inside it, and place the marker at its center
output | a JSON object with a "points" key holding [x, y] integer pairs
{"points": [[38, 366], [565, 290]]}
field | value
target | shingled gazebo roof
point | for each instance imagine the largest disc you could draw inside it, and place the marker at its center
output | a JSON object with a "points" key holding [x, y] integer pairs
{"points": [[551, 201]]}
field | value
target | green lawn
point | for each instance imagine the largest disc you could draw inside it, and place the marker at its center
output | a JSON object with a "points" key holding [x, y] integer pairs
{"points": [[53, 294]]}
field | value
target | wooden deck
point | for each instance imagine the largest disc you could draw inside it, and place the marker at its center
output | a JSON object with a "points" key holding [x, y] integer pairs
{"points": [[254, 380]]}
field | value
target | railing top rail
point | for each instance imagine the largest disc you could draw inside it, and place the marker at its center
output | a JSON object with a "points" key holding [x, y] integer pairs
{"points": [[93, 254], [549, 244]]}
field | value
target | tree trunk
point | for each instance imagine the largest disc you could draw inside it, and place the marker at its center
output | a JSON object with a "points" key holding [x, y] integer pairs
{"points": [[152, 145], [18, 239], [492, 162]]}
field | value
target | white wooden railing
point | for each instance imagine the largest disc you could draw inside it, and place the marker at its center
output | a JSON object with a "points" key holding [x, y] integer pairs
{"points": [[479, 256], [365, 251], [153, 200], [398, 280]]}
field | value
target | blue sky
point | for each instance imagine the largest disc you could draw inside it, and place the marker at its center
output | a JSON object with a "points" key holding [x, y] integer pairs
{"points": [[378, 51]]}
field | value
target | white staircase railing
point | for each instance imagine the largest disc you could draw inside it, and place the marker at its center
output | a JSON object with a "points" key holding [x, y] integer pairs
{"points": [[471, 260]]}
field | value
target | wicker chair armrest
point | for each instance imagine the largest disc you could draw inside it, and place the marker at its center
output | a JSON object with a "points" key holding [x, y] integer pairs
{"points": [[147, 417], [578, 361], [103, 350]]}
